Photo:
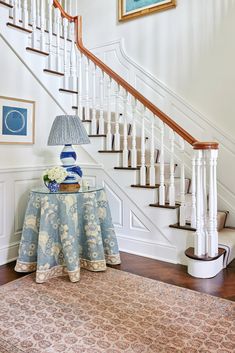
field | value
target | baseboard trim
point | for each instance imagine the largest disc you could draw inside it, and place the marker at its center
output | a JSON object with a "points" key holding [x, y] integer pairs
{"points": [[156, 251], [9, 253]]}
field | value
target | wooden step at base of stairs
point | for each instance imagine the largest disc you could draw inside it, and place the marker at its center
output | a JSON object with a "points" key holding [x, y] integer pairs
{"points": [[5, 4], [167, 205], [186, 227], [12, 25], [37, 51], [190, 253], [147, 186]]}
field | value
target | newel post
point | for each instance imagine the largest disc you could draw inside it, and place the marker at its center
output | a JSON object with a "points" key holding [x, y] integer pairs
{"points": [[204, 260]]}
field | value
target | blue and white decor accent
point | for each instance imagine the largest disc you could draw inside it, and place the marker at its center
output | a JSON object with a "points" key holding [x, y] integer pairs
{"points": [[16, 120], [68, 158], [68, 130]]}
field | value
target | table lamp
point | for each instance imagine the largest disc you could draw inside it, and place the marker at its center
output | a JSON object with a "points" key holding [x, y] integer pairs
{"points": [[68, 130]]}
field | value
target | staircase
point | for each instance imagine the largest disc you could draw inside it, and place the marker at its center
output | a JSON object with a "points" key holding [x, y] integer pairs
{"points": [[164, 171]]}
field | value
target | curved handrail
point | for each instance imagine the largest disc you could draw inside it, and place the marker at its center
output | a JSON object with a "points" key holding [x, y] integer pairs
{"points": [[136, 94]]}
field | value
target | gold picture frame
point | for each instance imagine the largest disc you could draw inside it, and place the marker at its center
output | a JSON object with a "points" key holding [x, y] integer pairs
{"points": [[17, 121], [129, 9]]}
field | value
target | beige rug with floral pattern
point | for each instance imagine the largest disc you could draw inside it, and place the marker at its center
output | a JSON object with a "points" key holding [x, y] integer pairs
{"points": [[112, 312]]}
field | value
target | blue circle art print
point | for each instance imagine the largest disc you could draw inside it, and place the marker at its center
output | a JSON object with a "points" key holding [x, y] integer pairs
{"points": [[14, 121]]}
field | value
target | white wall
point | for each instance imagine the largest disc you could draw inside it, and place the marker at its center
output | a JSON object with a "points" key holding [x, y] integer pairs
{"points": [[191, 49], [21, 166]]}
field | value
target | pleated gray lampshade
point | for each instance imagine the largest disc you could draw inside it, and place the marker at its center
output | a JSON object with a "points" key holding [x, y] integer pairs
{"points": [[66, 130]]}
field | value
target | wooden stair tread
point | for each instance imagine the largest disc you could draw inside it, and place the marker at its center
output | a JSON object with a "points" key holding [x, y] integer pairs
{"points": [[167, 205], [74, 107], [103, 135], [127, 168], [38, 51], [186, 227], [54, 72], [111, 151], [5, 4], [87, 121], [67, 90], [9, 24], [147, 186], [190, 253]]}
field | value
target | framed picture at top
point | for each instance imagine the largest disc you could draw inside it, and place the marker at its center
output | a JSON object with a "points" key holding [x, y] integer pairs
{"points": [[16, 121], [134, 8]]}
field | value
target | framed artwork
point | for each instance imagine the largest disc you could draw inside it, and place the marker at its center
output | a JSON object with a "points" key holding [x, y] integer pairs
{"points": [[134, 8], [16, 121]]}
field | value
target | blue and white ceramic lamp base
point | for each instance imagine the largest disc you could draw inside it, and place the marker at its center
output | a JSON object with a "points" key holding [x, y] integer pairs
{"points": [[68, 159]]}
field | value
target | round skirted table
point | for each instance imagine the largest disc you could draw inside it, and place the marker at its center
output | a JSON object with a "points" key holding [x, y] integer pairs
{"points": [[65, 231]]}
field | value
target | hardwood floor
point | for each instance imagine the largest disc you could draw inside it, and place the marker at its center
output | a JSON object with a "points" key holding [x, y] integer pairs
{"points": [[223, 285]]}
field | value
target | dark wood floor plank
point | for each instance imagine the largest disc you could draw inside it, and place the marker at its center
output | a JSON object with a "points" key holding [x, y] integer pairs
{"points": [[223, 285]]}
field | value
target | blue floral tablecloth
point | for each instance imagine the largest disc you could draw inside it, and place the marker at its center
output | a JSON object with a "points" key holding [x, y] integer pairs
{"points": [[65, 231]]}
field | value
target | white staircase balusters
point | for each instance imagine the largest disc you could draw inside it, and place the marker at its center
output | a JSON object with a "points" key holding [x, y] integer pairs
{"points": [[199, 244], [143, 165], [133, 133], [212, 221], [34, 24], [125, 146], [11, 2], [87, 108], [25, 14], [16, 13], [109, 133], [73, 66], [172, 168], [152, 174], [50, 34], [66, 69], [193, 191], [38, 17], [80, 85], [58, 23], [69, 7], [182, 184], [117, 114], [20, 9], [42, 25], [93, 117], [162, 192], [101, 105]]}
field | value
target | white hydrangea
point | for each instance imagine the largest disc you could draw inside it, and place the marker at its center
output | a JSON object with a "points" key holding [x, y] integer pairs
{"points": [[57, 173]]}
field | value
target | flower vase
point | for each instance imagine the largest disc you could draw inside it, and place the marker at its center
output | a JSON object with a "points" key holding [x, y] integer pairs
{"points": [[53, 186]]}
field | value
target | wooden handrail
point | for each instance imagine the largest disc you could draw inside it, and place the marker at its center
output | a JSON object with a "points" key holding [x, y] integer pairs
{"points": [[137, 95]]}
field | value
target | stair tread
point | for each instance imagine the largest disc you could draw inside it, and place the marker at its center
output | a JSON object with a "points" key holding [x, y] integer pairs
{"points": [[54, 72], [38, 51], [127, 168], [186, 227], [9, 24], [190, 253], [111, 151], [68, 90], [167, 205], [147, 186], [97, 135], [5, 4]]}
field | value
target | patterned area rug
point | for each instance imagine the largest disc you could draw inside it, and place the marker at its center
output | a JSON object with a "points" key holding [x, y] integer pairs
{"points": [[112, 312]]}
